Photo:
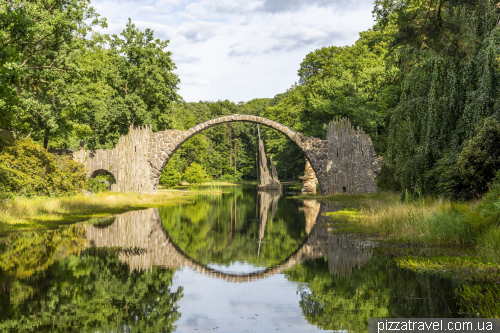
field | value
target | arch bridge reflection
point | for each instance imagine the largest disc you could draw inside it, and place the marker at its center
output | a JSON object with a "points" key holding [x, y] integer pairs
{"points": [[144, 229]]}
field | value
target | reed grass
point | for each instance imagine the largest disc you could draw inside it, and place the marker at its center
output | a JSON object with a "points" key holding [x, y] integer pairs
{"points": [[427, 221], [430, 221], [48, 213]]}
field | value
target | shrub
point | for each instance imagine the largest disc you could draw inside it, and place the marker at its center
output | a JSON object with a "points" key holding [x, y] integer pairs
{"points": [[388, 179], [444, 180], [230, 175], [490, 205], [195, 174], [170, 177], [27, 169], [95, 186], [479, 159], [107, 176]]}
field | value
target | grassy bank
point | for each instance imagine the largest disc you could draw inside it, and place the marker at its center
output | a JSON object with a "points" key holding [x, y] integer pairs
{"points": [[427, 221], [434, 236], [49, 213]]}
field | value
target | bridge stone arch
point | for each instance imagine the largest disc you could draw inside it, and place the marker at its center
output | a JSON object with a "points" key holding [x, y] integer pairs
{"points": [[345, 162], [165, 143], [97, 172]]}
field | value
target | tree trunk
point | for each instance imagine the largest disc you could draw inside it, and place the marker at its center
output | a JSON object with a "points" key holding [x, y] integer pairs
{"points": [[46, 139]]}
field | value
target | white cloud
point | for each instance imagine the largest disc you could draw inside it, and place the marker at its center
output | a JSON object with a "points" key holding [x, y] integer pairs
{"points": [[198, 82], [240, 50], [198, 31], [145, 10]]}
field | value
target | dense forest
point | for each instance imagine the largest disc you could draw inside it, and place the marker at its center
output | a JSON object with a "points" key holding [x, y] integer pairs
{"points": [[423, 82]]}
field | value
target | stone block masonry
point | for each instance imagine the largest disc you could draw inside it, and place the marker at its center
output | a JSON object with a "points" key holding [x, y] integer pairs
{"points": [[352, 164], [309, 179], [343, 163]]}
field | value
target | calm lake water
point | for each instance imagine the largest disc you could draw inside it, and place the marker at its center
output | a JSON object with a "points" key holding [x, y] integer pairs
{"points": [[239, 262]]}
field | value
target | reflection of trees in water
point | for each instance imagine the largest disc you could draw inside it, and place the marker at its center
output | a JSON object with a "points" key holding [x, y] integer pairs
{"points": [[231, 228], [378, 289], [91, 294], [421, 295], [25, 253]]}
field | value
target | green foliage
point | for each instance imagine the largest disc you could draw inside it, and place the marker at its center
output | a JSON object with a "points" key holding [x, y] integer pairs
{"points": [[106, 176], [388, 180], [490, 205], [102, 222], [95, 186], [352, 81], [42, 40], [479, 160], [27, 253], [224, 229], [107, 251], [170, 177], [444, 180], [195, 174], [423, 82], [480, 300], [129, 82], [449, 84], [231, 147], [96, 293], [27, 169], [451, 28]]}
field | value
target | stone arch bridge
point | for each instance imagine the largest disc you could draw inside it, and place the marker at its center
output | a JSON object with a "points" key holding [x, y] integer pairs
{"points": [[144, 229], [344, 162]]}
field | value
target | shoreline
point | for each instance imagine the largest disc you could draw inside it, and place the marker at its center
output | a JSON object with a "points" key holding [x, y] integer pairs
{"points": [[425, 236], [45, 213]]}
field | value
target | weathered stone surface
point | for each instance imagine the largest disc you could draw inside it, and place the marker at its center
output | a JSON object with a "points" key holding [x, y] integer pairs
{"points": [[268, 180], [352, 152], [309, 179], [343, 163]]}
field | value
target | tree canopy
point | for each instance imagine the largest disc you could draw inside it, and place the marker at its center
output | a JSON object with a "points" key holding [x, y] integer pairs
{"points": [[418, 82]]}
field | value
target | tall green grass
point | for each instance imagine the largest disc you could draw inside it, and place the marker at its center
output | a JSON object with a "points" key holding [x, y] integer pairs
{"points": [[47, 213], [429, 221]]}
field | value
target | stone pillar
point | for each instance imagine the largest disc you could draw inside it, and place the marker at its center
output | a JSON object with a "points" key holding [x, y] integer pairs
{"points": [[268, 180], [309, 179], [265, 175]]}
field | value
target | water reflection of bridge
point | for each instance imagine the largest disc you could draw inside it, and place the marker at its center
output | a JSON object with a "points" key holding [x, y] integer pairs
{"points": [[144, 229]]}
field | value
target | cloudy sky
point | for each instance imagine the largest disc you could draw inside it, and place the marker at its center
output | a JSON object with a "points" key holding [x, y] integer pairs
{"points": [[241, 49]]}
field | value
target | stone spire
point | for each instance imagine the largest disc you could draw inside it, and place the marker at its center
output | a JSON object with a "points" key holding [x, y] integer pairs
{"points": [[265, 175], [309, 179], [268, 179]]}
